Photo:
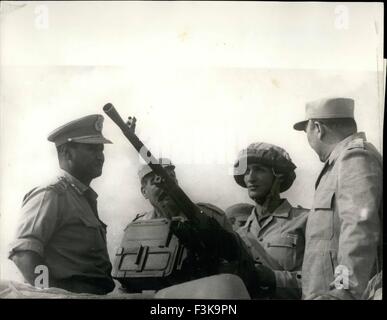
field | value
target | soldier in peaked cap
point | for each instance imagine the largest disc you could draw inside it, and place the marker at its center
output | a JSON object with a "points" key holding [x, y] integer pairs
{"points": [[343, 233], [60, 227], [274, 230]]}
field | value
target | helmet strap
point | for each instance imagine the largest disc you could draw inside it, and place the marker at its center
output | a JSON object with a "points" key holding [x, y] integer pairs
{"points": [[273, 193]]}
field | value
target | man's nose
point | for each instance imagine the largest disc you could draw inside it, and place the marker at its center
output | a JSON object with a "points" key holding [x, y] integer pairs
{"points": [[250, 176], [100, 156]]}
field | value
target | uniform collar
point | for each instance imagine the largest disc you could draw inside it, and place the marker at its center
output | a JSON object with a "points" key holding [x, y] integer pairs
{"points": [[78, 185], [343, 145], [282, 211], [250, 219]]}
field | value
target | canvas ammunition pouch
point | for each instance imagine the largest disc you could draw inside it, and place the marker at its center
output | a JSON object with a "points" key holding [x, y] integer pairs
{"points": [[151, 257]]}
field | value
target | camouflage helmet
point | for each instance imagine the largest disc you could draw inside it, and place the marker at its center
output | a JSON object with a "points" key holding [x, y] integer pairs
{"points": [[268, 155]]}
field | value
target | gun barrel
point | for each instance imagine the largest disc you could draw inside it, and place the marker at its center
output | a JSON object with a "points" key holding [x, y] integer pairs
{"points": [[228, 244], [184, 202], [113, 114]]}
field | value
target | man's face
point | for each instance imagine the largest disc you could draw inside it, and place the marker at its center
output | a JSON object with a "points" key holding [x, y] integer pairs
{"points": [[152, 190], [259, 180], [87, 160]]}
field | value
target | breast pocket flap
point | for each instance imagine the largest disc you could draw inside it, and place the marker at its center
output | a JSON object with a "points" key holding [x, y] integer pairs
{"points": [[89, 222], [288, 241], [324, 200]]}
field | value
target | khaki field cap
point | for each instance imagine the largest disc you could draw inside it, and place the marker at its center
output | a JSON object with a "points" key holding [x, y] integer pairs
{"points": [[84, 130], [268, 155], [328, 108], [145, 169]]}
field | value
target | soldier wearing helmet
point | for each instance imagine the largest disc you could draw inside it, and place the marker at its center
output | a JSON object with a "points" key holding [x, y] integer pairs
{"points": [[274, 231]]}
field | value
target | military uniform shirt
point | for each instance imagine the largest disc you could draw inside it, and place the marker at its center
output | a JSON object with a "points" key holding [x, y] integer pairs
{"points": [[60, 223], [344, 225], [281, 235]]}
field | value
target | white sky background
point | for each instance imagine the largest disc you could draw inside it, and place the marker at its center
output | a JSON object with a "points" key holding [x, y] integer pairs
{"points": [[203, 80]]}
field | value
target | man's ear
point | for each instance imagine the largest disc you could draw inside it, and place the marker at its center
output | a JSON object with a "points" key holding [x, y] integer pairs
{"points": [[67, 153], [280, 177], [320, 130], [143, 192]]}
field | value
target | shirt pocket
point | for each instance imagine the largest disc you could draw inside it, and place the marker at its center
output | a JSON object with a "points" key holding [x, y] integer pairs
{"points": [[320, 219], [96, 232], [83, 235], [284, 250]]}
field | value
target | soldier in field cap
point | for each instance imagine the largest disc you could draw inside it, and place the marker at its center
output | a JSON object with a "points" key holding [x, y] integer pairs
{"points": [[343, 232], [328, 108], [60, 227]]}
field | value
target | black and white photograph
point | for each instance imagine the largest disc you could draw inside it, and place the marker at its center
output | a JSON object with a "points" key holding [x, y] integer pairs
{"points": [[212, 150]]}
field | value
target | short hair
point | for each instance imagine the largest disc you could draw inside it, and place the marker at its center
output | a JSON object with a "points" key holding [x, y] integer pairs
{"points": [[345, 126]]}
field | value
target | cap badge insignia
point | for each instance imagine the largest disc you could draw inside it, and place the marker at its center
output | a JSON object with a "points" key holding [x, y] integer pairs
{"points": [[98, 124]]}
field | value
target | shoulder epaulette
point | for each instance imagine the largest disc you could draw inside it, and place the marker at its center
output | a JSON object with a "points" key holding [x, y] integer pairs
{"points": [[60, 185], [34, 192], [28, 194], [356, 143], [299, 209]]}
